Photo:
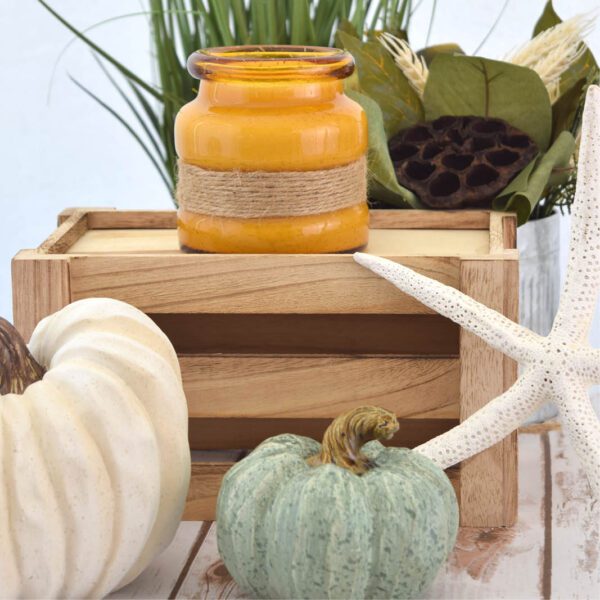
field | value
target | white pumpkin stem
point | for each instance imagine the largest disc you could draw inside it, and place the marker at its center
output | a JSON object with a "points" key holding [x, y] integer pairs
{"points": [[344, 438], [18, 368]]}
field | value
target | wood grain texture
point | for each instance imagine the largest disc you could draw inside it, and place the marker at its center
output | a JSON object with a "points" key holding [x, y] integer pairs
{"points": [[41, 286], [429, 219], [575, 521], [208, 577], [382, 242], [502, 562], [254, 284], [489, 479], [496, 232], [133, 219], [204, 488], [66, 234], [159, 579], [64, 214], [318, 387], [509, 231], [222, 434]]}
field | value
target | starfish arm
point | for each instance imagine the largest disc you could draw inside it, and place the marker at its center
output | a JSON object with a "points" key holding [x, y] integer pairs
{"points": [[498, 331], [497, 419], [588, 365], [582, 283], [582, 426]]}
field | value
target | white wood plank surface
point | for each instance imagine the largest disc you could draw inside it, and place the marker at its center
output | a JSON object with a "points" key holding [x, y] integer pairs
{"points": [[575, 526], [502, 562], [208, 578], [160, 578]]}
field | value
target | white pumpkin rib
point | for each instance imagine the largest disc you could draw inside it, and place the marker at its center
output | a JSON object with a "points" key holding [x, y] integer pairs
{"points": [[118, 425], [151, 377], [35, 515], [81, 483], [9, 569], [100, 314]]}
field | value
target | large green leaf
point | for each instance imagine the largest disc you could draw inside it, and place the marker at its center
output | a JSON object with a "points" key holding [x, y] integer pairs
{"points": [[547, 19], [383, 184], [527, 188], [385, 83], [469, 85], [564, 110], [431, 52]]}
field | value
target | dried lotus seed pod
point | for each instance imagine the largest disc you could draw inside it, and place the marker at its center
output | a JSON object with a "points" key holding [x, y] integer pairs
{"points": [[460, 162]]}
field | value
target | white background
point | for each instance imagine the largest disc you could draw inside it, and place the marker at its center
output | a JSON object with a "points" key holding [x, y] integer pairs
{"points": [[64, 150]]}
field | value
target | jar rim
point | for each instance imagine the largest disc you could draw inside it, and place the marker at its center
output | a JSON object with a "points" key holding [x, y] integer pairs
{"points": [[270, 62]]}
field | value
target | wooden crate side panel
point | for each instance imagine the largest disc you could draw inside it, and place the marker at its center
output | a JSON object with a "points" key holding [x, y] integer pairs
{"points": [[41, 286], [488, 480], [265, 284], [319, 387], [204, 487]]}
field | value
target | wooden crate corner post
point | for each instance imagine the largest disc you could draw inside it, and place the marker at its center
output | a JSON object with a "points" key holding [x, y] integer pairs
{"points": [[488, 492]]}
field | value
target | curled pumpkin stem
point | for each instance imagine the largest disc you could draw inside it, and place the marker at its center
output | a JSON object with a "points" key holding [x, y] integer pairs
{"points": [[344, 438], [18, 368]]}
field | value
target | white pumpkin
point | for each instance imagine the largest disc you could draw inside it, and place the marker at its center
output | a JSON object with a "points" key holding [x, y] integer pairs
{"points": [[94, 458]]}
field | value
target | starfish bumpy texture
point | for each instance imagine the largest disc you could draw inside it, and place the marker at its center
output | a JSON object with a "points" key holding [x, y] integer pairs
{"points": [[558, 368]]}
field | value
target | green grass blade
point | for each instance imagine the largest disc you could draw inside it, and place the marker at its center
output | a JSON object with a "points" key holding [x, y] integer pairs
{"points": [[140, 141], [140, 118], [121, 67], [240, 22], [220, 10]]}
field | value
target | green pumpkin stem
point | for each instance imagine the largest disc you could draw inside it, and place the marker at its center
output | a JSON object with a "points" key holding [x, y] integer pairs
{"points": [[18, 368], [344, 438]]}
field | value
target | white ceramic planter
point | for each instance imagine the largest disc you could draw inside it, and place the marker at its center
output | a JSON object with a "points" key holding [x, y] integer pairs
{"points": [[539, 286]]}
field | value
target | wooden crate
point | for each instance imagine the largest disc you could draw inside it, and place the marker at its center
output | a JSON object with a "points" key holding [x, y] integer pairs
{"points": [[275, 343]]}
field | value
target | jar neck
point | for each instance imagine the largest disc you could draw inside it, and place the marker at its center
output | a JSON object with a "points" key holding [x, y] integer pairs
{"points": [[268, 93]]}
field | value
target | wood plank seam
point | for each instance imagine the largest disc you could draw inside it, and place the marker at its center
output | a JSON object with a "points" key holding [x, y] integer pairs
{"points": [[206, 525]]}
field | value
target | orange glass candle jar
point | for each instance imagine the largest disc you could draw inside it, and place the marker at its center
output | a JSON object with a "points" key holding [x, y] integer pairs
{"points": [[271, 153]]}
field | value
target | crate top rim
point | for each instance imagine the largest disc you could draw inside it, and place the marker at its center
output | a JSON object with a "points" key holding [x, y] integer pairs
{"points": [[73, 223]]}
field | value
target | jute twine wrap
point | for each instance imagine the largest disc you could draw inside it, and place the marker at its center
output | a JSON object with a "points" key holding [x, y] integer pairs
{"points": [[253, 194]]}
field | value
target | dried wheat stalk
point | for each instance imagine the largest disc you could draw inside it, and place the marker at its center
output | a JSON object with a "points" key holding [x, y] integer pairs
{"points": [[414, 67], [554, 50]]}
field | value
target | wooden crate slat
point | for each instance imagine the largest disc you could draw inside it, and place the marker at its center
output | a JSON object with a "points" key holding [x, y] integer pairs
{"points": [[66, 234], [204, 489], [429, 219], [319, 387], [251, 283]]}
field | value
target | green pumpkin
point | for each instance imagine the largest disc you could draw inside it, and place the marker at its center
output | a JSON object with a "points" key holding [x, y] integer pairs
{"points": [[301, 520]]}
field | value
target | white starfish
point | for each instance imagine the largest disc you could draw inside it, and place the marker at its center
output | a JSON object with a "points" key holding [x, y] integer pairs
{"points": [[558, 368]]}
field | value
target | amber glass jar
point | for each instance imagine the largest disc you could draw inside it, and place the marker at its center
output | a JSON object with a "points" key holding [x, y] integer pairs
{"points": [[271, 153]]}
